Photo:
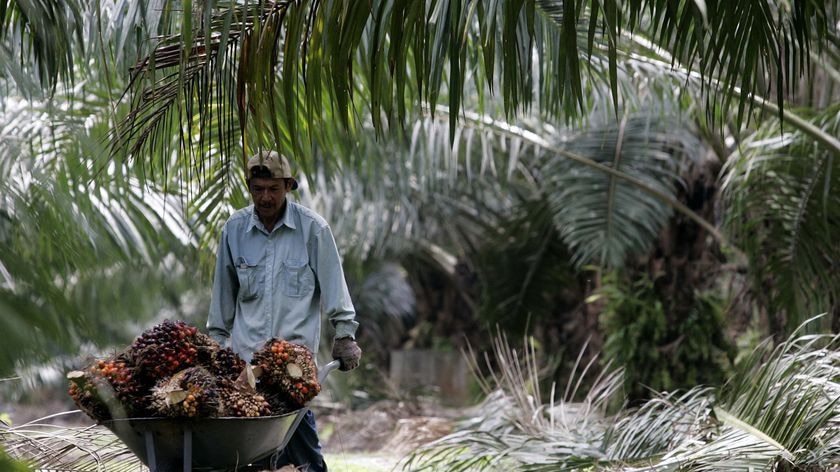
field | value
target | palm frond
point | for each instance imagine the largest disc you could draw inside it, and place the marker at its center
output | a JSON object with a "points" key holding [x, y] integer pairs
{"points": [[779, 407], [782, 204], [603, 219], [11, 465], [513, 429], [72, 222], [44, 34], [47, 46], [191, 80], [434, 49], [47, 446]]}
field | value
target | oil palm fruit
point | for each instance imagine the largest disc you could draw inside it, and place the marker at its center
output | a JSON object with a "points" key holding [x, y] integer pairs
{"points": [[278, 403], [225, 363], [239, 400], [131, 392], [165, 349], [100, 389], [206, 347], [89, 393], [173, 370], [289, 369], [191, 393]]}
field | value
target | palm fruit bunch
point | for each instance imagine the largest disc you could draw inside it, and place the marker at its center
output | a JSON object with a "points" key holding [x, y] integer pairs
{"points": [[225, 363], [166, 348], [239, 400], [130, 391], [191, 393], [277, 402], [288, 369], [206, 347], [93, 394], [106, 385]]}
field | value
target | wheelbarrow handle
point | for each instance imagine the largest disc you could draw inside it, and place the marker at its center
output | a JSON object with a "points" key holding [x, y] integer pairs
{"points": [[324, 371]]}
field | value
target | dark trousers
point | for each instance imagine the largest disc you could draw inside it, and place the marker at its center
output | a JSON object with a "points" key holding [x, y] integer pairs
{"points": [[303, 450]]}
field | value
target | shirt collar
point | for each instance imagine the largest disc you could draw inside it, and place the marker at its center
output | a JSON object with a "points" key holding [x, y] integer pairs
{"points": [[287, 219]]}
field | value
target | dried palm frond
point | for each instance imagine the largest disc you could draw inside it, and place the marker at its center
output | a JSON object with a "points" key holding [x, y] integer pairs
{"points": [[779, 411], [69, 449]]}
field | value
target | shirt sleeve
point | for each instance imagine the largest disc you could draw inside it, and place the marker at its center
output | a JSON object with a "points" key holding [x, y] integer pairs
{"points": [[223, 298], [335, 297]]}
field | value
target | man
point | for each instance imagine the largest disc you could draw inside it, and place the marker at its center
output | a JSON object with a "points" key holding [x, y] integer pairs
{"points": [[277, 268]]}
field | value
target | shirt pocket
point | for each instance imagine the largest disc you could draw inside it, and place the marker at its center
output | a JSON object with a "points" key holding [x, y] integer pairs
{"points": [[251, 279], [298, 278]]}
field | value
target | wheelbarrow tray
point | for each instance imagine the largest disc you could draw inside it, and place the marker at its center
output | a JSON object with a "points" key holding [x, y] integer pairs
{"points": [[167, 444]]}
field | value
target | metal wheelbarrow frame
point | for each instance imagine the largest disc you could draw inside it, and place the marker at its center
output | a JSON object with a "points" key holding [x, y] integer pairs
{"points": [[208, 444]]}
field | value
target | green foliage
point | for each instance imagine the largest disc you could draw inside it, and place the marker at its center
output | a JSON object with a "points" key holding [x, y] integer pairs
{"points": [[657, 352], [536, 267], [783, 208], [82, 244], [64, 235], [9, 465], [296, 63]]}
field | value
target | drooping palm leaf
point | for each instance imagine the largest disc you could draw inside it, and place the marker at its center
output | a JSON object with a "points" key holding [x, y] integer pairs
{"points": [[45, 36], [433, 49], [49, 45], [602, 218], [73, 221]]}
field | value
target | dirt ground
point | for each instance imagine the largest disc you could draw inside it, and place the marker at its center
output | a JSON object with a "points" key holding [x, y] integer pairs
{"points": [[386, 426]]}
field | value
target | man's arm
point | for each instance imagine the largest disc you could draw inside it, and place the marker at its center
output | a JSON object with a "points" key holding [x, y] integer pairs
{"points": [[335, 298], [223, 300]]}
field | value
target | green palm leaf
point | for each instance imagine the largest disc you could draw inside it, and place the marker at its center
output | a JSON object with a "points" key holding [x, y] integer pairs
{"points": [[44, 34], [84, 242], [602, 218]]}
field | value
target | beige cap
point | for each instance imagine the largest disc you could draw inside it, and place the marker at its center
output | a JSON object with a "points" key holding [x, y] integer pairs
{"points": [[277, 165]]}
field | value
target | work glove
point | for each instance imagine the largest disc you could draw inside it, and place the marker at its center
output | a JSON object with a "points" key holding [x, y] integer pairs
{"points": [[347, 352]]}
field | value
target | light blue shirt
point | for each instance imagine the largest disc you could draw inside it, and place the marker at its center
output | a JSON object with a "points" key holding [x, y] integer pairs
{"points": [[276, 284]]}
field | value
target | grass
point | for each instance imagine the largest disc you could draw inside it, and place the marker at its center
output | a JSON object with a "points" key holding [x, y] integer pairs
{"points": [[359, 462]]}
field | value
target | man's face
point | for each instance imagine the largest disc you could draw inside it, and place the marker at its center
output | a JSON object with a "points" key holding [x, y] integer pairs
{"points": [[269, 195]]}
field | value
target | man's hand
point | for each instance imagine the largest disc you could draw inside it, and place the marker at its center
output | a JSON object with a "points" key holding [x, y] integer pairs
{"points": [[347, 352]]}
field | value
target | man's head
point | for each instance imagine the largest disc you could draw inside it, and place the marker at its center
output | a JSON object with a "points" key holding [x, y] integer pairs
{"points": [[270, 165], [269, 179]]}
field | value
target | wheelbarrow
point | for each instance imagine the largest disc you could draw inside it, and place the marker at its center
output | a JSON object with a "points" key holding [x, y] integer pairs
{"points": [[208, 444]]}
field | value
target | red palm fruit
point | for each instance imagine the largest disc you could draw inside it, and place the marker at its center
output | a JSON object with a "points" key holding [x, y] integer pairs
{"points": [[166, 348], [225, 363], [92, 392]]}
